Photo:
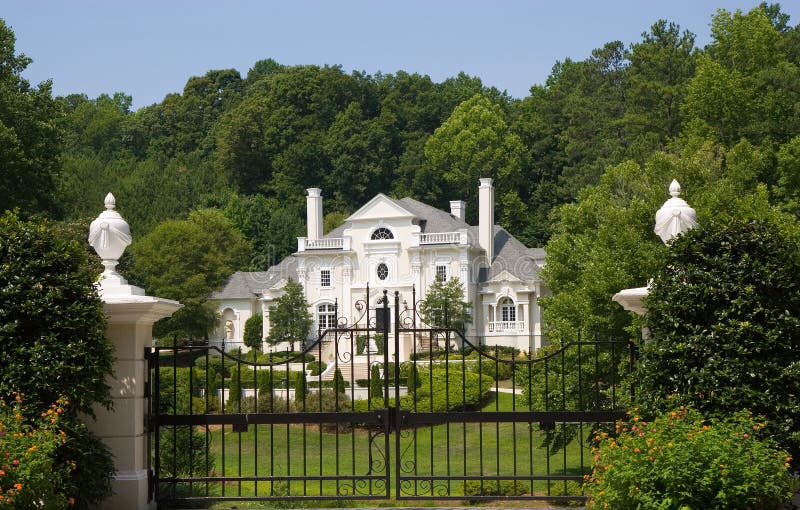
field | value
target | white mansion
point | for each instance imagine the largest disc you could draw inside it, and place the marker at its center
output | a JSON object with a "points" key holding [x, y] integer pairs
{"points": [[397, 245]]}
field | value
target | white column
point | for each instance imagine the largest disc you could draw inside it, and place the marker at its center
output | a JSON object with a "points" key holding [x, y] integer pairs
{"points": [[486, 217], [314, 214], [130, 331]]}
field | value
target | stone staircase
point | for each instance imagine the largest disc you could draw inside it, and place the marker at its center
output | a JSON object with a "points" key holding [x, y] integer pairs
{"points": [[351, 371]]}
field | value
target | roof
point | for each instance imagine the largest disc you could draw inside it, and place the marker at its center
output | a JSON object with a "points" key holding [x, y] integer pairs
{"points": [[512, 256], [249, 284]]}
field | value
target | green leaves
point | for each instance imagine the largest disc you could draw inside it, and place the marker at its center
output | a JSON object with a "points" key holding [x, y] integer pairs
{"points": [[724, 317], [289, 319]]}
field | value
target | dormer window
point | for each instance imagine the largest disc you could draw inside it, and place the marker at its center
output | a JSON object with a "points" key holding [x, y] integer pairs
{"points": [[382, 233]]}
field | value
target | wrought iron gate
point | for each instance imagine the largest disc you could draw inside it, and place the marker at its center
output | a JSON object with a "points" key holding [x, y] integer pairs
{"points": [[454, 420]]}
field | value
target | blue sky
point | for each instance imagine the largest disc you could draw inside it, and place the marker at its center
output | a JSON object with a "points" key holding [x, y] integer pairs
{"points": [[150, 48]]}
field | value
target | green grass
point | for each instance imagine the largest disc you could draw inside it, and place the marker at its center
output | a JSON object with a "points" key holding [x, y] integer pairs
{"points": [[457, 449]]}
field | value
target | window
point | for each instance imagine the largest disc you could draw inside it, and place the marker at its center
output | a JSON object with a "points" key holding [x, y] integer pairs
{"points": [[381, 233], [441, 273], [325, 278], [508, 311], [383, 271], [326, 316]]}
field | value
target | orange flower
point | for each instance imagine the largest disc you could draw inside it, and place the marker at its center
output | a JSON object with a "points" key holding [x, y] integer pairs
{"points": [[18, 486]]}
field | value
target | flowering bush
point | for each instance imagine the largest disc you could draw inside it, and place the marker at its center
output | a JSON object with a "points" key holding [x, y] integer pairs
{"points": [[30, 477], [678, 461]]}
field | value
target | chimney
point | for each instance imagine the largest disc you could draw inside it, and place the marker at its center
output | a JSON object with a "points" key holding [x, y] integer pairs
{"points": [[486, 217], [314, 214], [458, 208]]}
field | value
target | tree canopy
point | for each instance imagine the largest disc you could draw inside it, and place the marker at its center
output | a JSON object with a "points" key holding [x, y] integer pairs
{"points": [[289, 319]]}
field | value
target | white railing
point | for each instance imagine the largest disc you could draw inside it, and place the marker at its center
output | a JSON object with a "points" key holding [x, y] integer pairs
{"points": [[326, 243], [507, 326], [440, 238]]}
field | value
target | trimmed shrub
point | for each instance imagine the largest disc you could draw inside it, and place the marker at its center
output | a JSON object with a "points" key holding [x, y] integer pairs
{"points": [[253, 335], [724, 318], [339, 384], [53, 344], [681, 461], [317, 367]]}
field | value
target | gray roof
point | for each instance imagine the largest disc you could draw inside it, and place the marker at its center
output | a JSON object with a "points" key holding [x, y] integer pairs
{"points": [[512, 256], [248, 284], [431, 219]]}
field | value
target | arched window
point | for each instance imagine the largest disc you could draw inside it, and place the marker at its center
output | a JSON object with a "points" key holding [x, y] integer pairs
{"points": [[381, 233], [508, 311], [383, 271], [326, 316]]}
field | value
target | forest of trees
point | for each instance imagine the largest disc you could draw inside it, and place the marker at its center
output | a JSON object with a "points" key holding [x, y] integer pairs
{"points": [[581, 164]]}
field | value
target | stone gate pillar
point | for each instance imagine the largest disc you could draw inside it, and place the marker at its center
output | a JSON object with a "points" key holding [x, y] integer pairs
{"points": [[131, 315]]}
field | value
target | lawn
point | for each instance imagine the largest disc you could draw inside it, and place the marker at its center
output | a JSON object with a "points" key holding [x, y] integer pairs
{"points": [[449, 460]]}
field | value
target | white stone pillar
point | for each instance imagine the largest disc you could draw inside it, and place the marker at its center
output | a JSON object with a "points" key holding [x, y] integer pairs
{"points": [[486, 218], [130, 323], [131, 315]]}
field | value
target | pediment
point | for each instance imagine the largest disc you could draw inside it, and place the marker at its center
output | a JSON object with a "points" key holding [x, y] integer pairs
{"points": [[505, 276], [380, 207]]}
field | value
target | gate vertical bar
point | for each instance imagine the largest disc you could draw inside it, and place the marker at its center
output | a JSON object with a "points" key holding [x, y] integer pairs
{"points": [[387, 422], [397, 423]]}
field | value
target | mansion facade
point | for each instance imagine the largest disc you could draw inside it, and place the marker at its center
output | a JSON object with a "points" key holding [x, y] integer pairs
{"points": [[399, 245]]}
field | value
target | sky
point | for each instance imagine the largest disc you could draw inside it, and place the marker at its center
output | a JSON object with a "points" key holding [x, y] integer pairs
{"points": [[150, 48]]}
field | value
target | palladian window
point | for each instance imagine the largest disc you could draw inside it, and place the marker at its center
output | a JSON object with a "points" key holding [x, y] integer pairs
{"points": [[508, 311], [381, 233]]}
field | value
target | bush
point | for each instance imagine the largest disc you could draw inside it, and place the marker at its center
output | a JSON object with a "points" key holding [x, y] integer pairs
{"points": [[494, 488], [447, 389], [53, 343], [680, 461], [30, 476], [316, 367], [253, 336], [497, 370], [724, 318]]}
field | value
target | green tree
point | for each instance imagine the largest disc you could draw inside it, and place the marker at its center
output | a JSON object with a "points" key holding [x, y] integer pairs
{"points": [[53, 345], [375, 382], [300, 389], [29, 136], [475, 142], [289, 318], [444, 305], [235, 386], [724, 318], [254, 332], [187, 259], [338, 381]]}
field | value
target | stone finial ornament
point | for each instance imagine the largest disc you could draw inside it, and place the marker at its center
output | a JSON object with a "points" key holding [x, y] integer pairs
{"points": [[109, 235], [675, 216]]}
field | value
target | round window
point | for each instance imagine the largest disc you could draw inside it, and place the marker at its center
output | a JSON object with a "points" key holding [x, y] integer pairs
{"points": [[383, 271]]}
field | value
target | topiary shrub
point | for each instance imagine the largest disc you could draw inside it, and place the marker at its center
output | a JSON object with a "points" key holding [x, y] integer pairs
{"points": [[53, 344], [253, 335], [681, 461], [317, 367], [724, 318]]}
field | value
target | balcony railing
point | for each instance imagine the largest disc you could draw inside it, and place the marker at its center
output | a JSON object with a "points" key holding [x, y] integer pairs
{"points": [[507, 327], [326, 243]]}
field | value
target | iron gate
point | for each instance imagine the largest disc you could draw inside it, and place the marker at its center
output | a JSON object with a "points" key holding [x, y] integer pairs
{"points": [[457, 420]]}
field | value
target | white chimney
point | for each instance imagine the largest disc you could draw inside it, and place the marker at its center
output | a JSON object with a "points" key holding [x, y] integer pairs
{"points": [[458, 208], [314, 214], [486, 217]]}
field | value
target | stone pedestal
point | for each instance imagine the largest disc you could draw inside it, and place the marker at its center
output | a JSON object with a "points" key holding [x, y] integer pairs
{"points": [[130, 322]]}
